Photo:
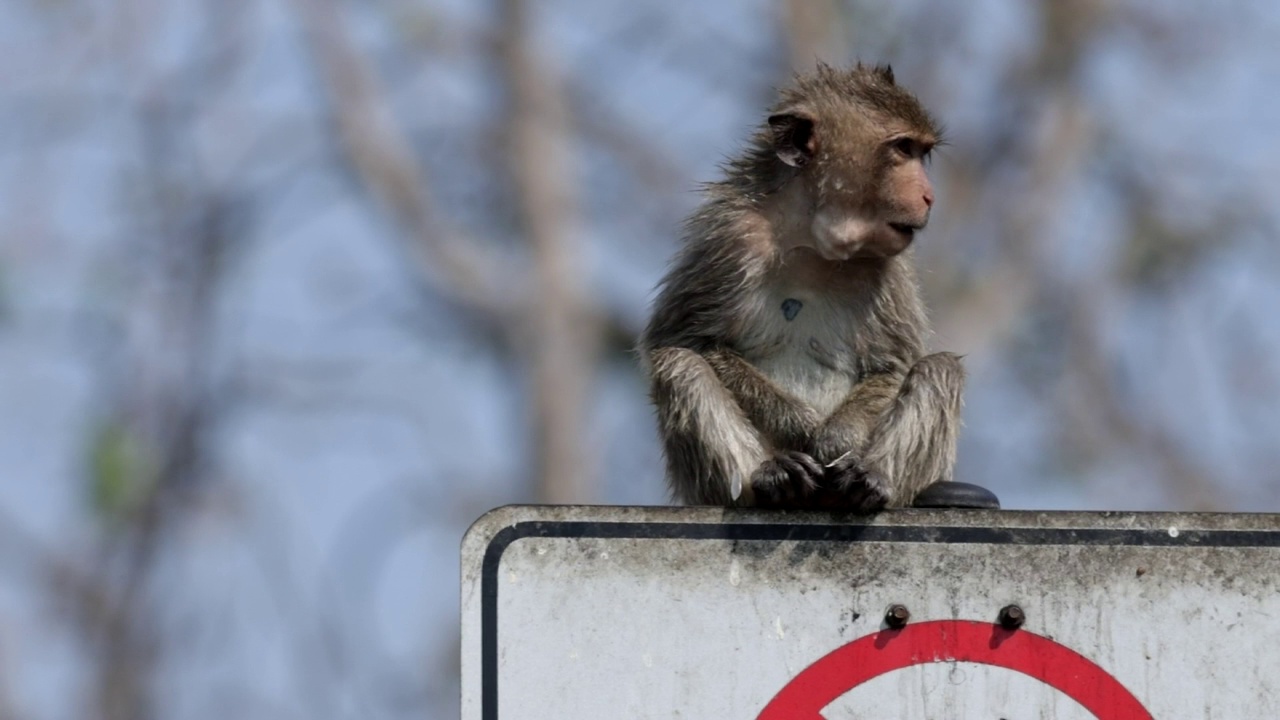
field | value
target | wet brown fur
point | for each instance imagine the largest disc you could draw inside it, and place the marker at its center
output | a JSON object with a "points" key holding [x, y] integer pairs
{"points": [[839, 410]]}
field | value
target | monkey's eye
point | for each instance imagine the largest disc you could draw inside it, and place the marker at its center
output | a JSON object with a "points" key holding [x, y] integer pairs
{"points": [[908, 148]]}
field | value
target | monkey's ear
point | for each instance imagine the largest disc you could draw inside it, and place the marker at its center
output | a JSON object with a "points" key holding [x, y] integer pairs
{"points": [[793, 139]]}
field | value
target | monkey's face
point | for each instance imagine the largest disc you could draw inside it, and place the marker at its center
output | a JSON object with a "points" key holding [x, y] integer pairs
{"points": [[859, 151], [872, 208]]}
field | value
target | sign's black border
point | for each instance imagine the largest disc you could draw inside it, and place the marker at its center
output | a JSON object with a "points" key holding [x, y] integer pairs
{"points": [[1152, 537]]}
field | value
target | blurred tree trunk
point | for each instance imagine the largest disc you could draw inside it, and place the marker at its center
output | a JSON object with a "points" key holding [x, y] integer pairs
{"points": [[562, 337], [546, 319], [811, 33]]}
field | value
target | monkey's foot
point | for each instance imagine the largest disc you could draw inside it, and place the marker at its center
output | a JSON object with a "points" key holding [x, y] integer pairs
{"points": [[786, 480], [956, 495], [850, 486]]}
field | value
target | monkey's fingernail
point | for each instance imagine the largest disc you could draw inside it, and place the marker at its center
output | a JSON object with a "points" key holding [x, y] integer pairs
{"points": [[735, 486]]}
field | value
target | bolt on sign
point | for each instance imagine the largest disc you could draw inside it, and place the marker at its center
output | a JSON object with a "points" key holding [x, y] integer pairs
{"points": [[584, 613]]}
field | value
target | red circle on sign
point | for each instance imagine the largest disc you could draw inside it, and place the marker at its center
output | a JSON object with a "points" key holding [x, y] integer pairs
{"points": [[849, 666]]}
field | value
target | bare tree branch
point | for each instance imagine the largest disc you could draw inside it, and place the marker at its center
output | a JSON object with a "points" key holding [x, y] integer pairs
{"points": [[565, 335], [383, 157]]}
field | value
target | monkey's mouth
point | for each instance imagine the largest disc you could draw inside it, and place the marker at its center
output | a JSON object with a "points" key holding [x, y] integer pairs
{"points": [[906, 230]]}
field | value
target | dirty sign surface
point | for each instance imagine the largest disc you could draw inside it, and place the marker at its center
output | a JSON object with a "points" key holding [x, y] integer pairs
{"points": [[572, 613]]}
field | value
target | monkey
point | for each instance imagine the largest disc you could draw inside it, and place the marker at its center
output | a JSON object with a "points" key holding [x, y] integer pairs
{"points": [[785, 349]]}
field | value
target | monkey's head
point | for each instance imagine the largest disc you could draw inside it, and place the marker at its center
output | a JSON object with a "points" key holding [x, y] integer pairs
{"points": [[857, 144]]}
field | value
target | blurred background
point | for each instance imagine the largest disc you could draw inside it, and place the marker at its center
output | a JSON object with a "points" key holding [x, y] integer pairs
{"points": [[293, 290]]}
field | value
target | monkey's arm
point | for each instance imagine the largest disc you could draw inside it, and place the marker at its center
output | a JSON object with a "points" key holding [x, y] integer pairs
{"points": [[784, 420], [911, 444], [712, 449], [707, 438], [846, 431]]}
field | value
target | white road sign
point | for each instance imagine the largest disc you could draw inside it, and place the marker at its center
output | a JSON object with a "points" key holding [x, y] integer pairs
{"points": [[577, 613]]}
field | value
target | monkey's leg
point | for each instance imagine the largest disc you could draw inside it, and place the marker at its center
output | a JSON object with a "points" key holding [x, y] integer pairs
{"points": [[913, 444], [709, 441]]}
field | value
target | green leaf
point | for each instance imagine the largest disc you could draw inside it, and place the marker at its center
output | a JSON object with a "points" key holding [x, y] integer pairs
{"points": [[119, 474]]}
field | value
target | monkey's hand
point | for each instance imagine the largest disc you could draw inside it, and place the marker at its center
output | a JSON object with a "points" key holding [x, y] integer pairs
{"points": [[786, 480], [832, 444], [852, 486]]}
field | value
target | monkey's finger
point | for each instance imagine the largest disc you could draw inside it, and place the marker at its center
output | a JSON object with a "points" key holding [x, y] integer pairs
{"points": [[844, 470], [873, 494], [773, 485], [798, 478], [792, 467], [784, 464], [871, 499], [769, 475], [810, 466], [848, 477]]}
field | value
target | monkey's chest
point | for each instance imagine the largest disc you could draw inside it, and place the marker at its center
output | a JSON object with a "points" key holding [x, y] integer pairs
{"points": [[806, 345]]}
